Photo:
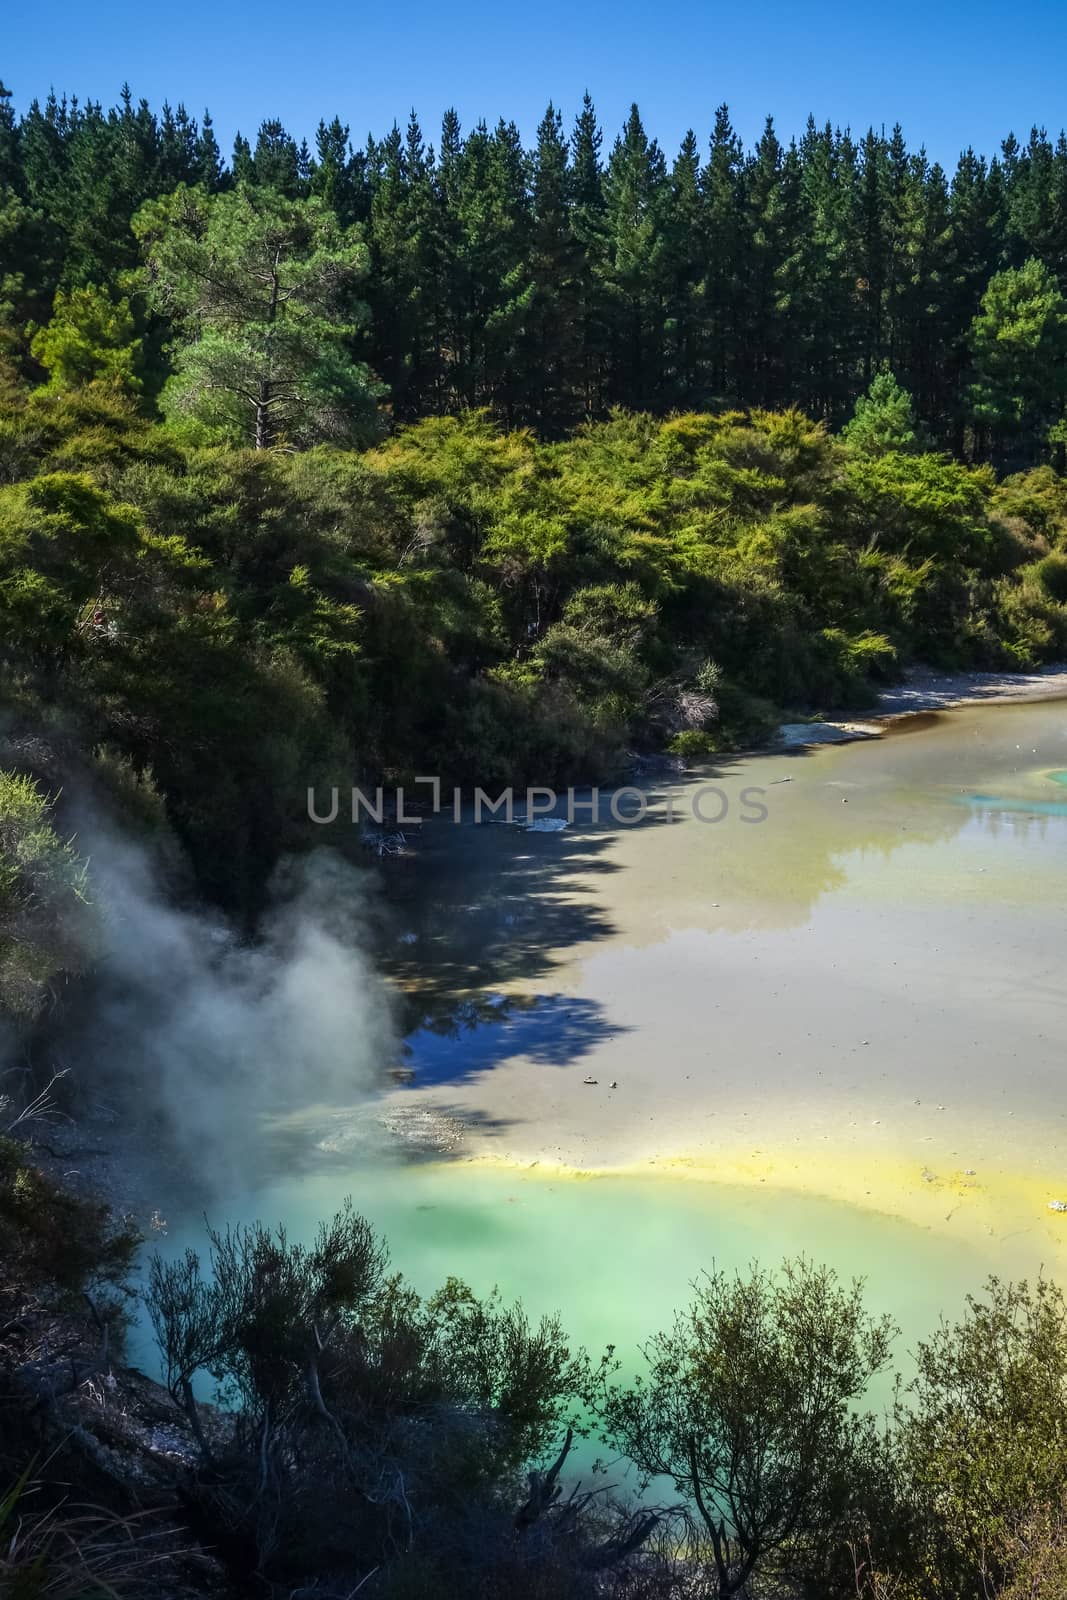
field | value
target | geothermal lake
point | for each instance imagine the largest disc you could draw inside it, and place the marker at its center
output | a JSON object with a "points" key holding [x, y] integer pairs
{"points": [[837, 1030]]}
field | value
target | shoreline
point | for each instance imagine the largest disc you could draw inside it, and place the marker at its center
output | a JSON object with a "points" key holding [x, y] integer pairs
{"points": [[922, 692], [722, 989], [990, 1213], [1016, 1179]]}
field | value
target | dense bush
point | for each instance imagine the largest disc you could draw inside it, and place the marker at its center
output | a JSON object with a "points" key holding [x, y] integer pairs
{"points": [[46, 923], [487, 601], [246, 623], [422, 1445]]}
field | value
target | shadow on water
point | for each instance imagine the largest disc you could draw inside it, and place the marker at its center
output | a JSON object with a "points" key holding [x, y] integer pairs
{"points": [[305, 1136], [476, 906], [550, 1030], [480, 913]]}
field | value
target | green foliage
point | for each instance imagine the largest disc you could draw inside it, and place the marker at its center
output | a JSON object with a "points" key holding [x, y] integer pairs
{"points": [[90, 339], [1031, 620], [45, 918], [1038, 500], [1051, 573], [983, 1431], [1018, 344], [926, 506], [553, 283], [526, 581], [54, 1244], [262, 289], [244, 624], [370, 1429], [884, 420], [748, 1406], [350, 1390], [693, 745], [1035, 1555]]}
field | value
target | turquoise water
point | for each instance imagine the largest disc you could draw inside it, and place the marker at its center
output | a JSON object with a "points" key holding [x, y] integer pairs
{"points": [[1032, 802], [874, 972], [1035, 808], [614, 1256]]}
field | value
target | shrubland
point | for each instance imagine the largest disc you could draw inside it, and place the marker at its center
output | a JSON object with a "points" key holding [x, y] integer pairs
{"points": [[236, 625], [321, 1427]]}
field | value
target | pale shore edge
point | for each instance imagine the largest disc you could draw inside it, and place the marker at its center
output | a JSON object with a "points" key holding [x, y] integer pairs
{"points": [[920, 692]]}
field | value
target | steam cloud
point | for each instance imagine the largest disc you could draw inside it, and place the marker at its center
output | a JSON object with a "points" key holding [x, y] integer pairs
{"points": [[224, 1047]]}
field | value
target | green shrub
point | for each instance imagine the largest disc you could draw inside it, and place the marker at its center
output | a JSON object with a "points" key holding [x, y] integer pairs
{"points": [[693, 744], [53, 1241], [1051, 573], [1031, 624], [45, 920]]}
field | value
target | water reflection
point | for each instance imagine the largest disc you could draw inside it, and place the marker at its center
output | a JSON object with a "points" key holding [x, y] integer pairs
{"points": [[868, 982], [479, 1034]]}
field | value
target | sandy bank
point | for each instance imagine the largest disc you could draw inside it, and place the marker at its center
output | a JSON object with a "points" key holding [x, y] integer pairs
{"points": [[922, 691]]}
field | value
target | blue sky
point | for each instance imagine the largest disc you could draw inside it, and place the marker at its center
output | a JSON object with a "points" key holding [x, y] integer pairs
{"points": [[952, 73]]}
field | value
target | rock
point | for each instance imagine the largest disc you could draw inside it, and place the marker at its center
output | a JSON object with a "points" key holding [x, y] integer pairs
{"points": [[794, 735]]}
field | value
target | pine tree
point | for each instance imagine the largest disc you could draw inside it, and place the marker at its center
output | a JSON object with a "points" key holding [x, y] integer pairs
{"points": [[177, 149], [903, 176], [723, 209], [1018, 345], [112, 166], [487, 202], [43, 141], [209, 168], [241, 161], [262, 288], [635, 195], [768, 354], [30, 246], [1056, 247], [1030, 209], [10, 155], [549, 289], [829, 302], [276, 160], [455, 286], [930, 297], [974, 240], [336, 174], [404, 284], [874, 250], [587, 220], [684, 266], [550, 381], [884, 420], [500, 247]]}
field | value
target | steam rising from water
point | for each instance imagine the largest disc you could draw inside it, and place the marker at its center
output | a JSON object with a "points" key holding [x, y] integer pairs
{"points": [[220, 1042]]}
